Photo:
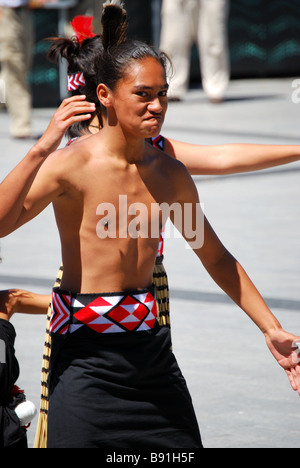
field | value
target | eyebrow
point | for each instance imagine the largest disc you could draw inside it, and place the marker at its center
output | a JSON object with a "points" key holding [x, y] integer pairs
{"points": [[143, 87]]}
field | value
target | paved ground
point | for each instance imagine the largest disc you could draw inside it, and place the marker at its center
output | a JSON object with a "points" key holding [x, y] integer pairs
{"points": [[242, 398]]}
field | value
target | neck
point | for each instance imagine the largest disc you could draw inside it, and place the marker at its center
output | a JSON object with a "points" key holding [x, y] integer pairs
{"points": [[123, 146]]}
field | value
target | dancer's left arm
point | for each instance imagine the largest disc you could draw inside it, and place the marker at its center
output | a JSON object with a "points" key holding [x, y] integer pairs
{"points": [[231, 277], [230, 158]]}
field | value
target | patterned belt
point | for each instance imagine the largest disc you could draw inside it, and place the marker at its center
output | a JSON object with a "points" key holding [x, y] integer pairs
{"points": [[105, 313]]}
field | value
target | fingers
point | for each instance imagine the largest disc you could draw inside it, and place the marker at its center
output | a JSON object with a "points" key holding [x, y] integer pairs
{"points": [[294, 378], [294, 372], [71, 103], [78, 118], [72, 110], [77, 98], [76, 112]]}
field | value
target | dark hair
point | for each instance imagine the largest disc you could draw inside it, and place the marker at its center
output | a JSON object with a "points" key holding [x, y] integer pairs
{"points": [[103, 59], [118, 50], [118, 59], [80, 57]]}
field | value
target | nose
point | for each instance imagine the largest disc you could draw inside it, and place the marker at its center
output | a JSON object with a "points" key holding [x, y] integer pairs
{"points": [[155, 106]]}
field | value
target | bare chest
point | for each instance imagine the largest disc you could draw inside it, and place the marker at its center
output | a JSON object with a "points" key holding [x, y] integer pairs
{"points": [[120, 203]]}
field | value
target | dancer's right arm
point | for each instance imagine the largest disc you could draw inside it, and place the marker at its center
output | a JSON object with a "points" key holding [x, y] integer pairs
{"points": [[72, 110], [16, 185]]}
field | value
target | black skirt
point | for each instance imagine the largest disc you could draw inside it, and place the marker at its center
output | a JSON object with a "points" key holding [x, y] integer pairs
{"points": [[12, 435], [118, 390]]}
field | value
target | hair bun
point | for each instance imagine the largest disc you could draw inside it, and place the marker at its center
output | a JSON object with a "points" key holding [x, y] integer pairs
{"points": [[64, 47], [114, 24]]}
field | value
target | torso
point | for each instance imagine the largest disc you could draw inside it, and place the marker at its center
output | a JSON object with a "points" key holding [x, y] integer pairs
{"points": [[118, 262]]}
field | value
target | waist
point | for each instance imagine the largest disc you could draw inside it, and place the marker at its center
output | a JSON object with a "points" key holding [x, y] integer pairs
{"points": [[104, 313]]}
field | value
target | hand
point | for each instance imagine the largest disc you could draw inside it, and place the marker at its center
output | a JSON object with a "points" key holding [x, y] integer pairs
{"points": [[8, 303], [72, 110], [23, 302], [283, 347]]}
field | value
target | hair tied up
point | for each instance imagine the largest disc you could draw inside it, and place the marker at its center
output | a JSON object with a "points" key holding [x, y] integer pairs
{"points": [[119, 3], [114, 24]]}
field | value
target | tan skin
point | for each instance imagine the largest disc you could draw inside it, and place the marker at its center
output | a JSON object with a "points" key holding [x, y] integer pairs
{"points": [[199, 160], [72, 110], [15, 300], [118, 157], [118, 161], [230, 158], [225, 159]]}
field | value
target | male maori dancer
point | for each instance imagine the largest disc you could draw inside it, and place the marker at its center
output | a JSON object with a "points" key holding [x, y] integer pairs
{"points": [[112, 367]]}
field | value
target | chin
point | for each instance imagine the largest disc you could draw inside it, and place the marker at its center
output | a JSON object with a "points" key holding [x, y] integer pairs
{"points": [[153, 130]]}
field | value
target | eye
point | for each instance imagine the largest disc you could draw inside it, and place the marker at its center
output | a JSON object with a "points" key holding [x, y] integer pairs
{"points": [[142, 94], [163, 93]]}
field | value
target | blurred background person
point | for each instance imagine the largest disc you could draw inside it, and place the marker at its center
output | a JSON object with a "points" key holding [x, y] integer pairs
{"points": [[204, 22], [16, 44]]}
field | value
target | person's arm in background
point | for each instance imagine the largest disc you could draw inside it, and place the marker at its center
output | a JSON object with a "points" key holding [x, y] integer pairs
{"points": [[23, 302]]}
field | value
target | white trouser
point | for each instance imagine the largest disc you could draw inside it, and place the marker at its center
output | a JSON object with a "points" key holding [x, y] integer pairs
{"points": [[16, 41], [204, 22]]}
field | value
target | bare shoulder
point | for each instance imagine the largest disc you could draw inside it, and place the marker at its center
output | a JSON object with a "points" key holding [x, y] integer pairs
{"points": [[168, 163], [63, 161], [175, 174]]}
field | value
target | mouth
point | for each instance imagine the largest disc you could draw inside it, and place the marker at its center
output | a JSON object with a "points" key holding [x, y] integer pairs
{"points": [[155, 118]]}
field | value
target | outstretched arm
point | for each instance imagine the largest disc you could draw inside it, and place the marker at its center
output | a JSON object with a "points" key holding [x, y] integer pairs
{"points": [[231, 158], [231, 277], [23, 302]]}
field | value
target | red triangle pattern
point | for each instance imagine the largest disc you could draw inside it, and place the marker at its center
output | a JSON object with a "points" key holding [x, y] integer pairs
{"points": [[138, 312]]}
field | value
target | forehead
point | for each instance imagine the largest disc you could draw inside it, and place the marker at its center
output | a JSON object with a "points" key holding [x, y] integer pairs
{"points": [[145, 72]]}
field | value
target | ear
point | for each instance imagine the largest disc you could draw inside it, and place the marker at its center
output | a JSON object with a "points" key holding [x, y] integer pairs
{"points": [[104, 95]]}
